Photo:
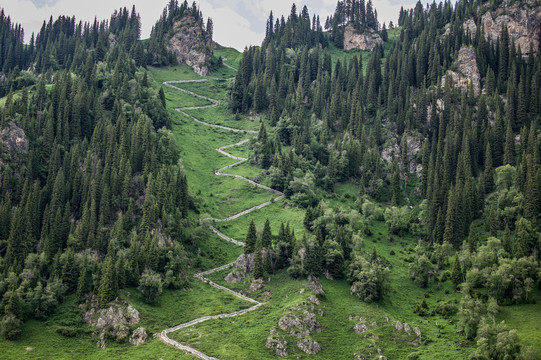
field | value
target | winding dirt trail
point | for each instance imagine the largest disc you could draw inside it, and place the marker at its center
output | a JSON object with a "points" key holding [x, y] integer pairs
{"points": [[219, 172]]}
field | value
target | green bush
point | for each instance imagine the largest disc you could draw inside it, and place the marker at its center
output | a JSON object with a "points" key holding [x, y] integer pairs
{"points": [[10, 327]]}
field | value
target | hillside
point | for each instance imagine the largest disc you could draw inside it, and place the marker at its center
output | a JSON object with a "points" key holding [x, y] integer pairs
{"points": [[173, 198]]}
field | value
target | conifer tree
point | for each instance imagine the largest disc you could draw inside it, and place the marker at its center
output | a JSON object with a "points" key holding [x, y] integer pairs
{"points": [[251, 239], [106, 290], [266, 236], [457, 276], [258, 262]]}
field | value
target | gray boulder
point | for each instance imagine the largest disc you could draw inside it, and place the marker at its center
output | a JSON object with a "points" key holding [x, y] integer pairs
{"points": [[308, 346], [235, 276], [139, 336]]}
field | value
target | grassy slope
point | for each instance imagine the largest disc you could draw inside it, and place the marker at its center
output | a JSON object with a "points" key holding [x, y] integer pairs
{"points": [[224, 337]]}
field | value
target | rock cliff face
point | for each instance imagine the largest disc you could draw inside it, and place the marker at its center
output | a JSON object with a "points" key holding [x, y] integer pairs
{"points": [[190, 45], [523, 21], [366, 41], [465, 71]]}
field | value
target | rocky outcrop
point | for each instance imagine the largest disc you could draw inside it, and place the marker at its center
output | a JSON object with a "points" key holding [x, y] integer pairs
{"points": [[393, 148], [523, 21], [365, 41], [299, 321], [191, 45], [465, 72], [14, 147], [245, 262], [113, 321], [277, 343]]}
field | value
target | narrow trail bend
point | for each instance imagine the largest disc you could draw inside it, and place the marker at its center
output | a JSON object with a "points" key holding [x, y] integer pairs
{"points": [[219, 172]]}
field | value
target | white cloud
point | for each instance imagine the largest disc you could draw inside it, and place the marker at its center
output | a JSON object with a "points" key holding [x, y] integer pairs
{"points": [[236, 22]]}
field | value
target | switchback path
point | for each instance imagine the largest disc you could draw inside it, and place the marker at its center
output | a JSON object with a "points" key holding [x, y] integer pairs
{"points": [[219, 172]]}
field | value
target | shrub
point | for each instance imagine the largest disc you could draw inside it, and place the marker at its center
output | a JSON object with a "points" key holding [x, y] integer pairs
{"points": [[10, 327]]}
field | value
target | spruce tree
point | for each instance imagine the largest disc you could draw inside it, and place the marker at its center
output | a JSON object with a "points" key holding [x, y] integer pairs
{"points": [[106, 290], [259, 266], [251, 239], [266, 236], [457, 276]]}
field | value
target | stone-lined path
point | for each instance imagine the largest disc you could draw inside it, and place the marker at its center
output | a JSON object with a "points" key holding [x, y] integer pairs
{"points": [[219, 172]]}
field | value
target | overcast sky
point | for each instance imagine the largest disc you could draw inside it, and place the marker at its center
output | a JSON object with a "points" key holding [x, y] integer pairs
{"points": [[237, 23]]}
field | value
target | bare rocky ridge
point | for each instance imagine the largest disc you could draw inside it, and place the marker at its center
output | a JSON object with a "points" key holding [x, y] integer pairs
{"points": [[465, 71], [365, 41], [523, 21], [190, 45]]}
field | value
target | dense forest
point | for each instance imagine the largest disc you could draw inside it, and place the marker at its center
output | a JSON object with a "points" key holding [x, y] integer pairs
{"points": [[93, 197], [477, 191]]}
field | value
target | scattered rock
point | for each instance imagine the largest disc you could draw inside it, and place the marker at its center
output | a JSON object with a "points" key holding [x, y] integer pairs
{"points": [[417, 331], [289, 321], [314, 300], [368, 40], [101, 341], [309, 346], [277, 343], [139, 336], [301, 291], [407, 327], [235, 276], [311, 322], [398, 325], [28, 349], [315, 286], [266, 295], [257, 179], [256, 285], [360, 328]]}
